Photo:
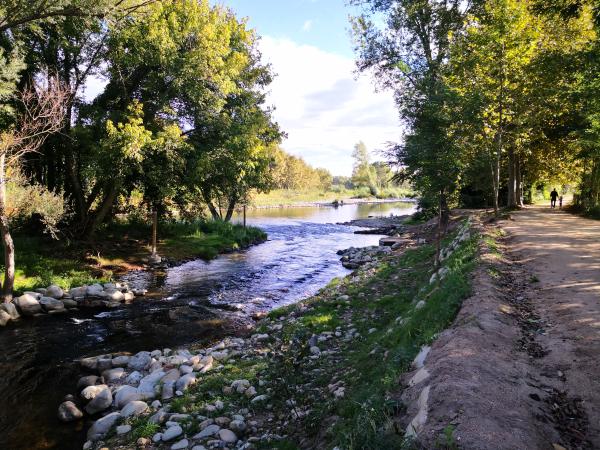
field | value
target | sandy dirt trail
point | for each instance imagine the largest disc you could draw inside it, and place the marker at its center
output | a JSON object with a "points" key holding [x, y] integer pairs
{"points": [[563, 251], [519, 369]]}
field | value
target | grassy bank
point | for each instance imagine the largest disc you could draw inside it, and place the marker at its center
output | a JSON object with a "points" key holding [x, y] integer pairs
{"points": [[293, 196], [329, 366], [121, 247]]}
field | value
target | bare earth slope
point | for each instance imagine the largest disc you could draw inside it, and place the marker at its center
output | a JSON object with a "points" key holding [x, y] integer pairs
{"points": [[520, 367]]}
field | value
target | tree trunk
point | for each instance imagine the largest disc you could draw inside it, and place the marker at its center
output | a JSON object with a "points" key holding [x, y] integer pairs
{"points": [[77, 190], [107, 204], [438, 241], [512, 188], [154, 230], [519, 180], [230, 209], [496, 177], [7, 242]]}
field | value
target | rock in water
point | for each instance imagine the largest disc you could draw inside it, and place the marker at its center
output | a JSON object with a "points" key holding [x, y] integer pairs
{"points": [[55, 291], [100, 402], [28, 305], [89, 380], [102, 426], [68, 412]]}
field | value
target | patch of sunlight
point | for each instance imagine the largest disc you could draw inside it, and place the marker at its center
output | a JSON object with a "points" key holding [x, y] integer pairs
{"points": [[320, 319]]}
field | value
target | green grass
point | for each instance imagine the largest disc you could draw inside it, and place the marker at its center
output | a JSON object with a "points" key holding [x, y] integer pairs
{"points": [[41, 261]]}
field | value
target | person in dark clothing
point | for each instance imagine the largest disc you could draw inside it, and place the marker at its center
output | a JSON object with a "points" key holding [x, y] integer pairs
{"points": [[553, 197]]}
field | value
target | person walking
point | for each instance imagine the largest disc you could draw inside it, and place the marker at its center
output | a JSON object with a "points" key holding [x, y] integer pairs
{"points": [[560, 200], [553, 197]]}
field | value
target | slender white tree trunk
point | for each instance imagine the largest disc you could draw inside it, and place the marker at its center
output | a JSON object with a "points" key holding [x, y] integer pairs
{"points": [[7, 241]]}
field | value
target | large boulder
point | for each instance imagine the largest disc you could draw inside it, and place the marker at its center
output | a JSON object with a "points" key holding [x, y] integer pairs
{"points": [[11, 310], [51, 304], [139, 361], [4, 318], [95, 290], [69, 412], [55, 291], [28, 305], [100, 402], [78, 292], [102, 426]]}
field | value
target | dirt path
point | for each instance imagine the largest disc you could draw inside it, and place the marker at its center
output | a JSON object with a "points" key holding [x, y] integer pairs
{"points": [[563, 251], [520, 367]]}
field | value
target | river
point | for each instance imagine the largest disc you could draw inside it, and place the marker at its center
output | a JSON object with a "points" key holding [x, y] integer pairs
{"points": [[195, 302]]}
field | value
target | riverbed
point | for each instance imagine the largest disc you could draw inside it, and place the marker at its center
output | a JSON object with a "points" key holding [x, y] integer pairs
{"points": [[195, 302]]}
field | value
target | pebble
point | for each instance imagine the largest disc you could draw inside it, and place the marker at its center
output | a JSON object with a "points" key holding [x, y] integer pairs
{"points": [[228, 436], [180, 445], [209, 431], [123, 429]]}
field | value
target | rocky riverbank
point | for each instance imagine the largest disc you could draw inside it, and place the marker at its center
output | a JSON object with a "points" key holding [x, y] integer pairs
{"points": [[297, 380], [55, 300]]}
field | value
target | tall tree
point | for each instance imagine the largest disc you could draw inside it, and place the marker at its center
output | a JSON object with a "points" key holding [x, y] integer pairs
{"points": [[408, 54]]}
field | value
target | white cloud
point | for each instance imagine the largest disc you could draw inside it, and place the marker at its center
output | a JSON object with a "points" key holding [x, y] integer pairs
{"points": [[323, 108], [307, 25]]}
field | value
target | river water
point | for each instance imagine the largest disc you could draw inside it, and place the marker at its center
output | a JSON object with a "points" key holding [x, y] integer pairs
{"points": [[194, 302]]}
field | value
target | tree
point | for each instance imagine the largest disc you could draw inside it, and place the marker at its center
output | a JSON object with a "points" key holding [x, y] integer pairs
{"points": [[408, 54], [363, 174], [40, 112]]}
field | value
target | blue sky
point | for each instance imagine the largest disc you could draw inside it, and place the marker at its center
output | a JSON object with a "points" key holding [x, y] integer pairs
{"points": [[321, 23], [320, 100]]}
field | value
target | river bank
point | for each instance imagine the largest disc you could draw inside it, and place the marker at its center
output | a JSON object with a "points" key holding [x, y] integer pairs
{"points": [[312, 375]]}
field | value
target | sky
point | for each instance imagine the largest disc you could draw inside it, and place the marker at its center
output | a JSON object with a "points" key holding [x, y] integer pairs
{"points": [[320, 101]]}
